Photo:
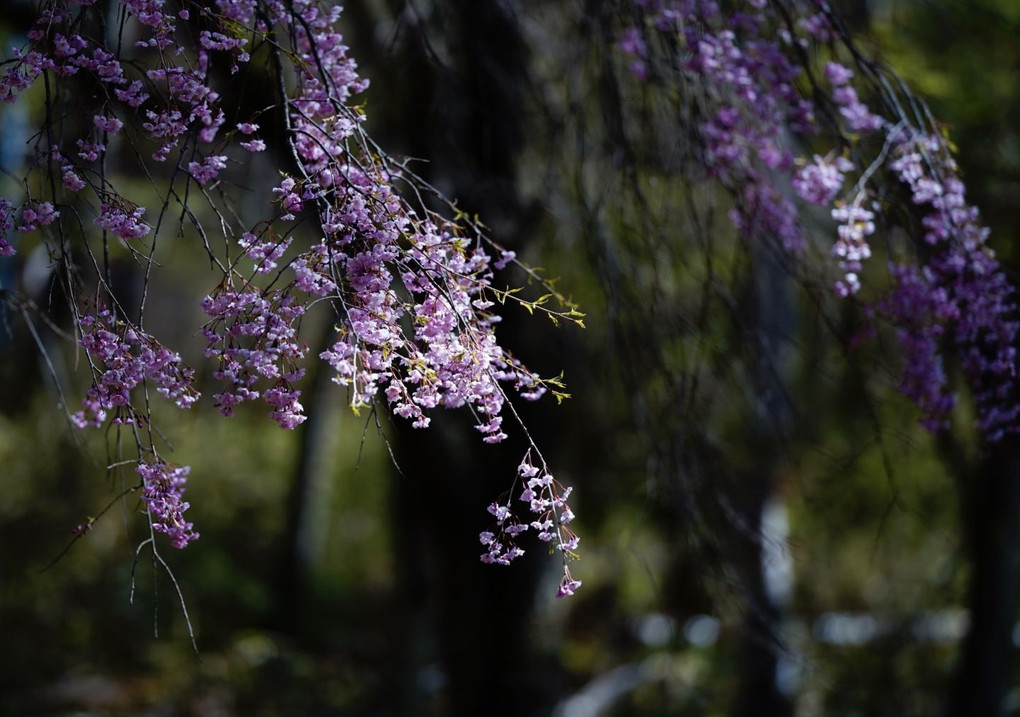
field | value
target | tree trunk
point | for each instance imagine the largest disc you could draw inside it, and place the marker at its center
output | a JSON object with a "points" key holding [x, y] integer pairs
{"points": [[301, 540], [991, 523], [470, 649]]}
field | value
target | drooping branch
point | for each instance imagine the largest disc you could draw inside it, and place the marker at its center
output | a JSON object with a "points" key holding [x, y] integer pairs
{"points": [[407, 277]]}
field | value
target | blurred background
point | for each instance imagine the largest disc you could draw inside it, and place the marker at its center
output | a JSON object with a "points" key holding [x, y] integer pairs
{"points": [[765, 529]]}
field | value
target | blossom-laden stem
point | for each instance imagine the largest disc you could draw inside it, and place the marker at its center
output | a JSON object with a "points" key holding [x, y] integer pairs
{"points": [[410, 288], [754, 68]]}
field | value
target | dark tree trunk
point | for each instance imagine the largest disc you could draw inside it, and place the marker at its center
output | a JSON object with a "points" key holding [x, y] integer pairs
{"points": [[465, 635], [758, 694], [478, 614], [297, 548], [990, 505], [769, 320]]}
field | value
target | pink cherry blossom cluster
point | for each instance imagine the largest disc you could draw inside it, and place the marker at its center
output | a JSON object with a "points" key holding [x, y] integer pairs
{"points": [[961, 293], [6, 227], [821, 180], [37, 214], [756, 102], [265, 252], [749, 66], [920, 309], [124, 357], [855, 225], [856, 114], [125, 222], [753, 71], [253, 339], [410, 287], [550, 514], [162, 491]]}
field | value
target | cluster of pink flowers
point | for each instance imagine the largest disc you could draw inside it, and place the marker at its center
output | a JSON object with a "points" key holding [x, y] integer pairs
{"points": [[125, 222], [162, 492], [264, 252], [37, 214], [6, 227], [411, 288], [123, 357], [107, 124], [856, 224], [633, 45], [253, 339], [550, 514], [748, 67], [857, 115], [758, 103], [961, 293], [373, 242], [821, 180]]}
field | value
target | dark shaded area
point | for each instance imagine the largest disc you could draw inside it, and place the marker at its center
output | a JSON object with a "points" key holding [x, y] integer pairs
{"points": [[990, 505], [475, 621]]}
